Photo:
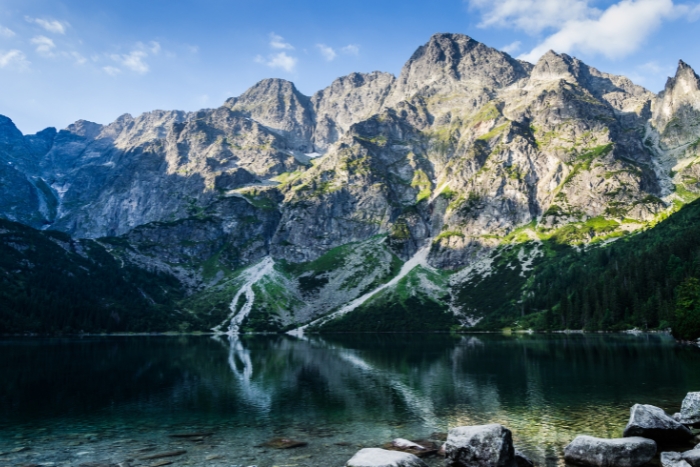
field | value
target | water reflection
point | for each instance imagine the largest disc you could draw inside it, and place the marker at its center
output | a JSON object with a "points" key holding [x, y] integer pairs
{"points": [[361, 389]]}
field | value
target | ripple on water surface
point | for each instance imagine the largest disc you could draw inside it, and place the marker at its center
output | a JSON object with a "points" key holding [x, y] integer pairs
{"points": [[77, 401]]}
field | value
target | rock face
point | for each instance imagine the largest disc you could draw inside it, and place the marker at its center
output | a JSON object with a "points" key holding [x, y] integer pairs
{"points": [[690, 409], [621, 452], [692, 457], [465, 148], [673, 459], [480, 446], [652, 422], [375, 457]]}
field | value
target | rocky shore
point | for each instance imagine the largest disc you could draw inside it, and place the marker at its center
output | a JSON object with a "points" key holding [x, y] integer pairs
{"points": [[649, 432]]}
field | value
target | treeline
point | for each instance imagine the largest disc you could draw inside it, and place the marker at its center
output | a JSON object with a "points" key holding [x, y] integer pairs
{"points": [[52, 284], [645, 281]]}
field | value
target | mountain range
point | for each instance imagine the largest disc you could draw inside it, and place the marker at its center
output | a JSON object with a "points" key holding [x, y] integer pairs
{"points": [[427, 201]]}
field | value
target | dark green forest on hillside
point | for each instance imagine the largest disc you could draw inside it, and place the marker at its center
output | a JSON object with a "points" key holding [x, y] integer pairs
{"points": [[648, 280], [52, 284]]}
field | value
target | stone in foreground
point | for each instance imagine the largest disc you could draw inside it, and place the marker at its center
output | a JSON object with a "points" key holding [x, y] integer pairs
{"points": [[480, 446], [375, 457], [692, 457], [690, 410], [652, 422], [521, 460], [673, 459], [621, 452]]}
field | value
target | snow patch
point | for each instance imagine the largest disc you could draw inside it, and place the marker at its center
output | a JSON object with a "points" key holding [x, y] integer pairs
{"points": [[419, 259], [313, 155], [251, 276]]}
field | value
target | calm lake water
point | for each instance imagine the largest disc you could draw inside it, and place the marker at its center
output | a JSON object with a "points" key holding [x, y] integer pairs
{"points": [[75, 401]]}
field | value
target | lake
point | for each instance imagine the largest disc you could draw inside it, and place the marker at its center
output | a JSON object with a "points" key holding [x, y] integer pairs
{"points": [[97, 400]]}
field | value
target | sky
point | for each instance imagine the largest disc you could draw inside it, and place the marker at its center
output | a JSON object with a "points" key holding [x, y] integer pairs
{"points": [[61, 61]]}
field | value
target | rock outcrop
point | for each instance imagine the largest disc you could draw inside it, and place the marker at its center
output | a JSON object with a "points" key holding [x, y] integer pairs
{"points": [[652, 422], [621, 452], [480, 446], [375, 457]]}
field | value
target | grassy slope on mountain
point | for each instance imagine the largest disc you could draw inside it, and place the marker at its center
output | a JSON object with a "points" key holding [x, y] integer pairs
{"points": [[50, 283]]}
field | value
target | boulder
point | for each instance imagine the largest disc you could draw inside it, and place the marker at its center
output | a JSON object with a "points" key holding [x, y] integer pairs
{"points": [[690, 410], [375, 457], [673, 459], [480, 446], [621, 452], [521, 460], [652, 422], [692, 457]]}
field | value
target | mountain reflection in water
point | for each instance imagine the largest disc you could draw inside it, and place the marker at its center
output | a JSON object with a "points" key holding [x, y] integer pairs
{"points": [[359, 389]]}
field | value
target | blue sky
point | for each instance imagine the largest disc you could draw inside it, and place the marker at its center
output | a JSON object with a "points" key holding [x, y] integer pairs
{"points": [[61, 61]]}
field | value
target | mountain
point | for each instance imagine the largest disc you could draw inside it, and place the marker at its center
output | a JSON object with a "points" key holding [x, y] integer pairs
{"points": [[376, 203]]}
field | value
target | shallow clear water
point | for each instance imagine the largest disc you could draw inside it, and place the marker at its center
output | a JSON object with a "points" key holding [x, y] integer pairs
{"points": [[73, 401]]}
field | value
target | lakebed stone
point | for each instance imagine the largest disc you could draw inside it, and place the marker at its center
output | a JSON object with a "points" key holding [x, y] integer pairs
{"points": [[620, 452], [648, 421], [692, 457], [521, 460], [690, 410], [376, 457], [480, 446], [673, 459]]}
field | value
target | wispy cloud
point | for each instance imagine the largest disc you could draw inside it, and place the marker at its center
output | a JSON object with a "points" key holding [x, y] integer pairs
{"points": [[328, 53], [111, 70], [577, 26], [512, 48], [54, 26], [280, 60], [133, 61], [351, 49], [6, 32], [13, 59], [617, 32], [278, 42], [44, 45]]}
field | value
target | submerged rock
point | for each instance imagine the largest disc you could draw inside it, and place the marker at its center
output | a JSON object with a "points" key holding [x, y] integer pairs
{"points": [[284, 443], [480, 446], [376, 457], [652, 422], [673, 459], [620, 452], [690, 410]]}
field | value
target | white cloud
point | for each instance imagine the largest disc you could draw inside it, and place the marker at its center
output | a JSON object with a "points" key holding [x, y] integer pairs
{"points": [[111, 71], [6, 32], [79, 59], [54, 26], [512, 47], [351, 49], [193, 49], [531, 16], [327, 52], [280, 60], [278, 42], [44, 45], [13, 59], [617, 32], [133, 61], [154, 47]]}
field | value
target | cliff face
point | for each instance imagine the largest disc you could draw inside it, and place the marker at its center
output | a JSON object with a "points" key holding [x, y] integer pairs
{"points": [[467, 149]]}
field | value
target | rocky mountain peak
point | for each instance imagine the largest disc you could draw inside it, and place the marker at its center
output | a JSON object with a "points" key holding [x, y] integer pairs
{"points": [[455, 64], [8, 131], [685, 80], [85, 128], [553, 66], [276, 103]]}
